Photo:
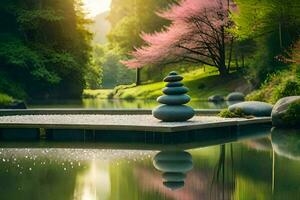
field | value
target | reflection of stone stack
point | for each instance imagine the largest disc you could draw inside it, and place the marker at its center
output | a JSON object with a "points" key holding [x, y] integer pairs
{"points": [[174, 165], [173, 100]]}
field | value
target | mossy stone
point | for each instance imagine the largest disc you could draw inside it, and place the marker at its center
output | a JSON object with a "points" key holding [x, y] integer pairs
{"points": [[286, 112], [254, 108]]}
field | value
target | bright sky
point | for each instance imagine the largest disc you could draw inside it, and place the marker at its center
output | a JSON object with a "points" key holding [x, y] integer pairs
{"points": [[94, 7]]}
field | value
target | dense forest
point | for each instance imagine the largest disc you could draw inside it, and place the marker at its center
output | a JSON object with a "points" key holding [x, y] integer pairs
{"points": [[48, 51], [45, 49]]}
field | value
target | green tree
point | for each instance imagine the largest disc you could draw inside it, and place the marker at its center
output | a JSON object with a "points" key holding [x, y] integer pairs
{"points": [[44, 48], [273, 25], [129, 18]]}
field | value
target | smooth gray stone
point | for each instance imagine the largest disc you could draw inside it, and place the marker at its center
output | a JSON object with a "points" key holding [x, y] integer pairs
{"points": [[174, 176], [285, 142], [175, 90], [173, 185], [173, 73], [174, 84], [254, 108], [173, 155], [280, 109], [173, 113], [174, 99], [173, 78], [235, 96], [174, 166], [215, 98]]}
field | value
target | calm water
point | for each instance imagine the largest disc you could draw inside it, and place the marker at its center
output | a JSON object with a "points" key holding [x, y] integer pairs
{"points": [[260, 165], [105, 103]]}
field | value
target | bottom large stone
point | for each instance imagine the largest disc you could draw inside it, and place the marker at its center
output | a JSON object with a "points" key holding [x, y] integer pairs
{"points": [[173, 113]]}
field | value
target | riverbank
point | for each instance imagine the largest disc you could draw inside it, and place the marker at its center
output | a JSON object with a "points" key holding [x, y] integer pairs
{"points": [[278, 85], [201, 83]]}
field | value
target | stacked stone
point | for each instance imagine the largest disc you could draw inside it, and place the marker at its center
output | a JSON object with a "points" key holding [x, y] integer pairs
{"points": [[173, 99], [174, 165]]}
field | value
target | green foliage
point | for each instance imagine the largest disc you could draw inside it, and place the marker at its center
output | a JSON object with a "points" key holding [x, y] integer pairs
{"points": [[288, 88], [273, 25], [5, 99], [93, 76], [9, 86], [44, 48], [292, 115], [113, 73], [238, 113], [99, 93], [277, 85], [129, 18]]}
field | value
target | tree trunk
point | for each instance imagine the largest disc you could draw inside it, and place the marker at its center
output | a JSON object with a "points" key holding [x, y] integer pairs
{"points": [[223, 71], [280, 35], [243, 60], [138, 76]]}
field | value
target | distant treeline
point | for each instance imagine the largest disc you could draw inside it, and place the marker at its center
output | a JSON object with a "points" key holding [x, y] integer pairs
{"points": [[44, 48]]}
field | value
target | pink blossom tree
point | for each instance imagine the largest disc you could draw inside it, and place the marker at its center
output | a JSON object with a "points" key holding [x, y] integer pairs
{"points": [[198, 34]]}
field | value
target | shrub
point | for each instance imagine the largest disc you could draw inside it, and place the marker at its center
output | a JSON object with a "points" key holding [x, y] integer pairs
{"points": [[129, 97], [277, 85], [5, 99], [110, 95], [237, 113], [288, 88]]}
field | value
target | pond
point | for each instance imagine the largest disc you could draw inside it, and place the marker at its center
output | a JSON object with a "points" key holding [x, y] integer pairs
{"points": [[117, 103], [255, 164]]}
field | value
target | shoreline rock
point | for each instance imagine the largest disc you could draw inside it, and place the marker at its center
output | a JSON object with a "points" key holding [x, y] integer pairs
{"points": [[235, 96], [253, 108], [281, 117]]}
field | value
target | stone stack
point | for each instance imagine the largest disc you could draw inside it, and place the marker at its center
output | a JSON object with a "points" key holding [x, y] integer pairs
{"points": [[174, 165], [173, 100]]}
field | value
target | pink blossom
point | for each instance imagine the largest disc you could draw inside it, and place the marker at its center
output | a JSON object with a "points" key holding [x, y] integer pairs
{"points": [[194, 34]]}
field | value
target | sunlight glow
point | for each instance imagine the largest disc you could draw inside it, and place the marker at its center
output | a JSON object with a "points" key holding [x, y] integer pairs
{"points": [[94, 7], [94, 183]]}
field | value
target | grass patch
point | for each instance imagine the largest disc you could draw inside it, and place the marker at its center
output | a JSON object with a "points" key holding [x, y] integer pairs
{"points": [[101, 93], [5, 99], [202, 84]]}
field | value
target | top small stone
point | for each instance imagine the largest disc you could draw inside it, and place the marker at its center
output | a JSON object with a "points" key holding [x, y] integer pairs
{"points": [[173, 78], [173, 73]]}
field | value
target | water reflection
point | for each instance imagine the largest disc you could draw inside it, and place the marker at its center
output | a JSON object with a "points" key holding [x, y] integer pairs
{"points": [[174, 165], [93, 182], [286, 142], [117, 103], [248, 169]]}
